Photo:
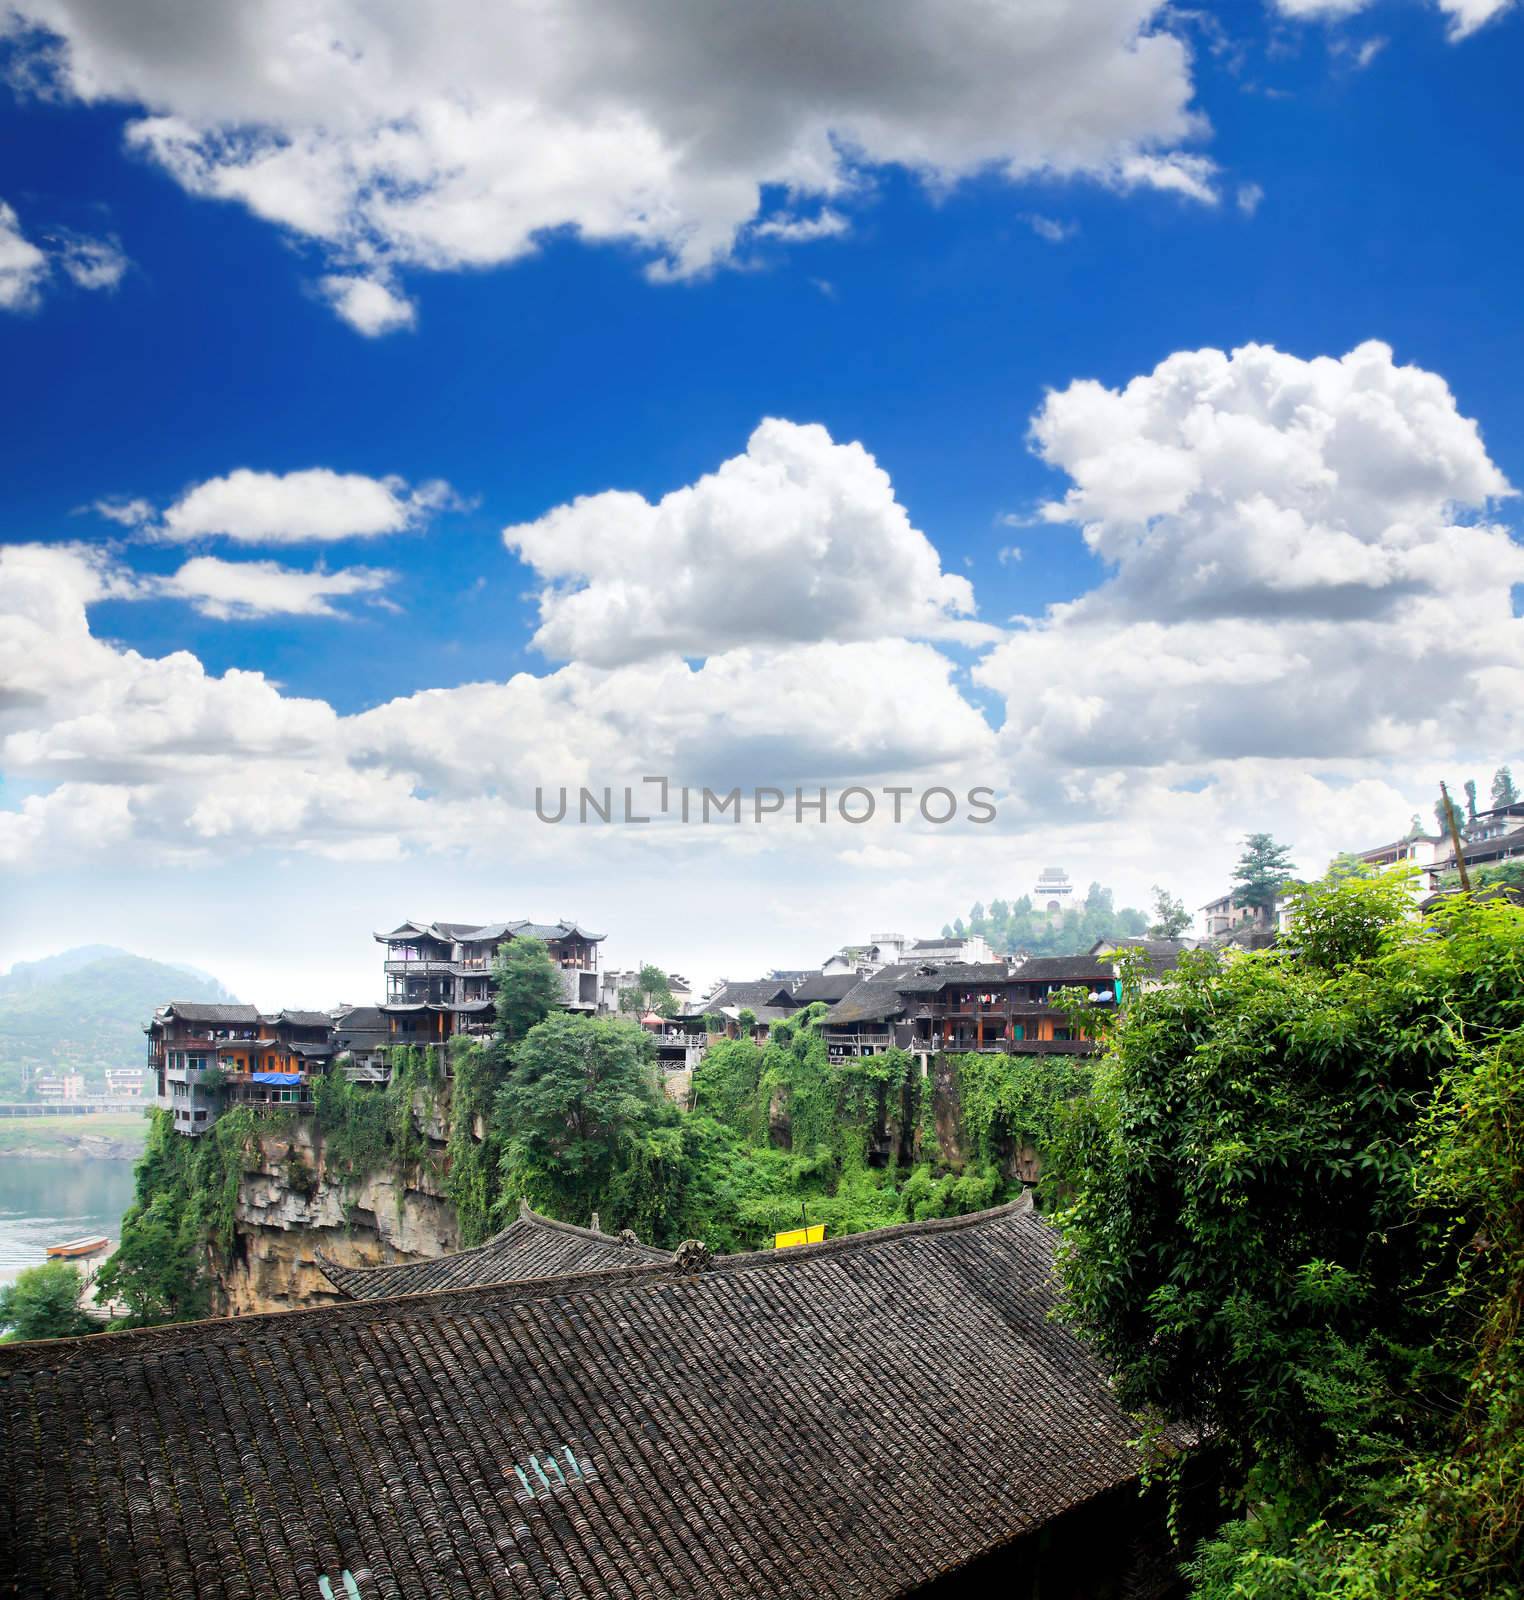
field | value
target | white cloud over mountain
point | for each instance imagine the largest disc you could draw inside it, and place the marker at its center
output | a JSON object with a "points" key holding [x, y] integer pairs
{"points": [[456, 135], [799, 539]]}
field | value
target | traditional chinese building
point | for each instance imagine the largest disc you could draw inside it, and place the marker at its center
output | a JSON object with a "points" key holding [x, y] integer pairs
{"points": [[890, 1413], [967, 1007], [439, 975], [205, 1057]]}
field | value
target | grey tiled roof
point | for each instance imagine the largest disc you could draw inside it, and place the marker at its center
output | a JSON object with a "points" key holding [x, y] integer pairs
{"points": [[1064, 969], [847, 1419], [531, 1246], [874, 999], [223, 1015], [966, 975], [764, 993], [819, 987]]}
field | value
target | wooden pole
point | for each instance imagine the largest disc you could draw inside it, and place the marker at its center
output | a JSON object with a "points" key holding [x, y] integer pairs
{"points": [[1455, 839]]}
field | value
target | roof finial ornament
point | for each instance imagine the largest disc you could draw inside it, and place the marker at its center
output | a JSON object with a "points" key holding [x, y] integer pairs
{"points": [[594, 1224], [524, 1210], [693, 1255], [627, 1236]]}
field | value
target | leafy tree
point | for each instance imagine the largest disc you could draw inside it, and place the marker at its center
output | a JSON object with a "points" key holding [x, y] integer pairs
{"points": [[713, 1022], [527, 983], [1504, 875], [1017, 925], [649, 992], [1503, 791], [43, 1303], [158, 1269], [1263, 871], [579, 1089], [1444, 811], [1348, 865], [1253, 1245], [746, 1021], [1470, 788], [1171, 919]]}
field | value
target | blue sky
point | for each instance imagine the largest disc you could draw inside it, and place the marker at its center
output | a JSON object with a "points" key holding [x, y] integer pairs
{"points": [[1364, 178]]}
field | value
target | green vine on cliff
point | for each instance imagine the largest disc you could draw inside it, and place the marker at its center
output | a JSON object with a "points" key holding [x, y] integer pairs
{"points": [[1016, 1099], [473, 1158]]}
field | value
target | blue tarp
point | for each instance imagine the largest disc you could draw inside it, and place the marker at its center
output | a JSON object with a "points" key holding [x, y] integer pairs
{"points": [[276, 1077]]}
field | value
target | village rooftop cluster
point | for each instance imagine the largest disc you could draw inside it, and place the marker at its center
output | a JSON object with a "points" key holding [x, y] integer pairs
{"points": [[951, 994]]}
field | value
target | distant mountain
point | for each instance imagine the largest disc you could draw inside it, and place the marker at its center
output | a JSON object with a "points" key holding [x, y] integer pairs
{"points": [[84, 1009]]}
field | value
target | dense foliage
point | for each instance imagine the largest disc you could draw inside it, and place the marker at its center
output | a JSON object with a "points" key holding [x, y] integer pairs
{"points": [[43, 1303], [184, 1212], [186, 1190], [1293, 1221], [1015, 925], [528, 985], [778, 1135]]}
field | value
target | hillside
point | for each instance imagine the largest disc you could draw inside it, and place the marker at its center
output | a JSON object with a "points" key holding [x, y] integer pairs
{"points": [[1017, 925], [84, 1010]]}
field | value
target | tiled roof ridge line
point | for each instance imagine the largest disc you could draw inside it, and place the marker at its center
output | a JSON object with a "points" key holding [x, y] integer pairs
{"points": [[42, 1354], [528, 1214], [848, 1242], [637, 1247]]}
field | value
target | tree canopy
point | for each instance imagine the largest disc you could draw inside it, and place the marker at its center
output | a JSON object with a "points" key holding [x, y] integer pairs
{"points": [[1262, 873], [1503, 791], [1015, 925], [1171, 919], [527, 983], [650, 992], [43, 1303], [578, 1086], [1444, 812], [1291, 1222]]}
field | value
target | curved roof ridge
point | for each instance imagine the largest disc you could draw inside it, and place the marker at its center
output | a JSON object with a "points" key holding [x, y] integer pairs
{"points": [[509, 1256], [170, 1336]]}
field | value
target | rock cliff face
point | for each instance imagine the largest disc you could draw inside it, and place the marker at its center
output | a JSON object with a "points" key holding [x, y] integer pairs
{"points": [[289, 1207]]}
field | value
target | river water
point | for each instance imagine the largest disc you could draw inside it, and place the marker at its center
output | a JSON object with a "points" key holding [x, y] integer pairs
{"points": [[45, 1200]]}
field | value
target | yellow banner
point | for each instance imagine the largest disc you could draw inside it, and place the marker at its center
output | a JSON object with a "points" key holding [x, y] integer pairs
{"points": [[781, 1241]]}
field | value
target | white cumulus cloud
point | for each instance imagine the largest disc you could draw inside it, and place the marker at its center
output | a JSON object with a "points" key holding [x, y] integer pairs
{"points": [[308, 506], [458, 134], [89, 263], [368, 305], [1293, 572], [245, 590], [798, 539]]}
